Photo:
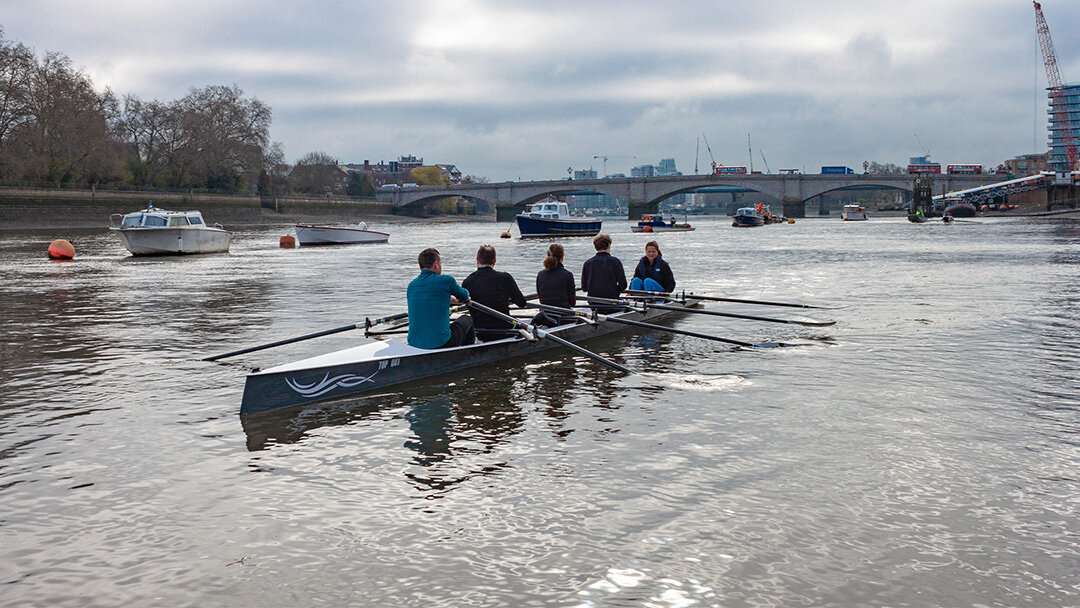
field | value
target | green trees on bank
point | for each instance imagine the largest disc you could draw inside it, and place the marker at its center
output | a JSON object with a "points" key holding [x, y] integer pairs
{"points": [[57, 130]]}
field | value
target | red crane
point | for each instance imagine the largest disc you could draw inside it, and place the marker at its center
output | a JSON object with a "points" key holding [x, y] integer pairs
{"points": [[1057, 92]]}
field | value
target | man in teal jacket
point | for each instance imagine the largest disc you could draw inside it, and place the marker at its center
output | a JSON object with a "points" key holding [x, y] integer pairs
{"points": [[430, 296]]}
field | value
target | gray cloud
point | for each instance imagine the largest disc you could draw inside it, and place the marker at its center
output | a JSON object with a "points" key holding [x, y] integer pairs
{"points": [[513, 89]]}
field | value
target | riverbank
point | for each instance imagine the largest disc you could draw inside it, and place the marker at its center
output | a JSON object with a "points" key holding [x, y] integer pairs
{"points": [[28, 209]]}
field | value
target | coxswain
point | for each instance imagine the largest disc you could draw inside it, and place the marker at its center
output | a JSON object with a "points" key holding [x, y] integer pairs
{"points": [[652, 272], [495, 290], [430, 296], [602, 275]]}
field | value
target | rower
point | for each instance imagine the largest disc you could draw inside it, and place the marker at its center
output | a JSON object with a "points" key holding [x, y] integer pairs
{"points": [[602, 275], [495, 290], [555, 287], [652, 272], [430, 296]]}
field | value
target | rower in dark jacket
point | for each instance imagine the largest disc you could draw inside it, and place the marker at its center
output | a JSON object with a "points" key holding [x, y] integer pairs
{"points": [[652, 272], [495, 290], [555, 286], [602, 275]]}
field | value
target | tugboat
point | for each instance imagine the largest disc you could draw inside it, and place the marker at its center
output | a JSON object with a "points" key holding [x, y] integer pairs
{"points": [[746, 217], [552, 218]]}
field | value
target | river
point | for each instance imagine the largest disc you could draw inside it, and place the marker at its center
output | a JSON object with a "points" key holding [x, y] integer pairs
{"points": [[923, 451]]}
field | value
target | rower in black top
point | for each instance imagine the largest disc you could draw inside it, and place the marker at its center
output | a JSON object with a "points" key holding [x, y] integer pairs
{"points": [[652, 272], [602, 275], [555, 286], [495, 290]]}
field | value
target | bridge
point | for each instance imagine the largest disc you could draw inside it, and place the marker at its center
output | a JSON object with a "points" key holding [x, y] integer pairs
{"points": [[644, 194]]}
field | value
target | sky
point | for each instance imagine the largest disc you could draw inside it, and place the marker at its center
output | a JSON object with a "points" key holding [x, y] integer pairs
{"points": [[525, 90]]}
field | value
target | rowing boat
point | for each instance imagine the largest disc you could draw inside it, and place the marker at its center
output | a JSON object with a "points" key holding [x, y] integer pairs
{"points": [[384, 363]]}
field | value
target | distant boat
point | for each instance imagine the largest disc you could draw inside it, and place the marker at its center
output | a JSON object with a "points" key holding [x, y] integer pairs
{"points": [[553, 218], [854, 213], [657, 223], [746, 217], [308, 235], [154, 231], [916, 216], [961, 210], [767, 215]]}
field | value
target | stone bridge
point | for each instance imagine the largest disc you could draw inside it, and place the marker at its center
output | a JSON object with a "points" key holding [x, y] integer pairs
{"points": [[644, 194]]}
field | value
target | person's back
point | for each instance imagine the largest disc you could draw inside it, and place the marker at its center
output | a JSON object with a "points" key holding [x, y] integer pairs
{"points": [[602, 275], [429, 297], [495, 290]]}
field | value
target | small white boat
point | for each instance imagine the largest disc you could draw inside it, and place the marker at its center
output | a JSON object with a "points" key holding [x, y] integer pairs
{"points": [[309, 234], [657, 223], [156, 231], [854, 213]]}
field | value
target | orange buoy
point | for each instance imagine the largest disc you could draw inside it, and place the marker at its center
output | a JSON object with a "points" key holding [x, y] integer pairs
{"points": [[288, 242], [646, 228], [506, 235], [984, 208], [61, 250]]}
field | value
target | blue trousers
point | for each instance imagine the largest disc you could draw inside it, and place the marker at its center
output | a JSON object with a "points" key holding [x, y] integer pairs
{"points": [[647, 285]]}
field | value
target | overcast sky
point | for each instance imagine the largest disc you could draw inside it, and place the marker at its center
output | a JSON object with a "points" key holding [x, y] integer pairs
{"points": [[511, 90]]}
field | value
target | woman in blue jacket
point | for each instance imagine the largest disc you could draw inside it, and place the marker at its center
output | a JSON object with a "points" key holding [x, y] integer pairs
{"points": [[652, 272]]}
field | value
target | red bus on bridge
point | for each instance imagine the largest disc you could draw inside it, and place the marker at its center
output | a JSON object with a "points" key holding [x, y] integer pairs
{"points": [[925, 168], [972, 169], [722, 170]]}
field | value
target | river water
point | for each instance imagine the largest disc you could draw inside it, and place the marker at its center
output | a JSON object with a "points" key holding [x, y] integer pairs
{"points": [[923, 451]]}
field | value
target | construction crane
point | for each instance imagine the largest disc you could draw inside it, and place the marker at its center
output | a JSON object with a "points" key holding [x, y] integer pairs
{"points": [[710, 152], [767, 169], [1057, 92], [605, 158], [926, 152]]}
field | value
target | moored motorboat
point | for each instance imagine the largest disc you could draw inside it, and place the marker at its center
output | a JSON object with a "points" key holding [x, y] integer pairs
{"points": [[154, 231], [380, 364], [311, 234], [553, 218], [961, 209], [657, 223], [746, 217], [854, 213]]}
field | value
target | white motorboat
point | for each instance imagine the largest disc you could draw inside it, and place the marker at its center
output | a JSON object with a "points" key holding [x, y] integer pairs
{"points": [[154, 231], [854, 213], [309, 234]]}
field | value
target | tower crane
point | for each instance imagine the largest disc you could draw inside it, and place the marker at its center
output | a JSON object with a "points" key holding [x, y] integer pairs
{"points": [[605, 158], [767, 169], [1057, 92], [710, 152]]}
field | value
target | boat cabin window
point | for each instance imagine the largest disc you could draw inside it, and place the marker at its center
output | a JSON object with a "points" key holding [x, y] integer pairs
{"points": [[131, 221], [564, 209], [178, 220], [154, 220], [195, 220]]}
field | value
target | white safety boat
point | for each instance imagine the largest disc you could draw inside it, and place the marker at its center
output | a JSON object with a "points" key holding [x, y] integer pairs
{"points": [[854, 213], [156, 231], [309, 234]]}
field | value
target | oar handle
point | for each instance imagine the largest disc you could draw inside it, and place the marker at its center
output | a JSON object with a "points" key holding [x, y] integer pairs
{"points": [[283, 342], [545, 334]]}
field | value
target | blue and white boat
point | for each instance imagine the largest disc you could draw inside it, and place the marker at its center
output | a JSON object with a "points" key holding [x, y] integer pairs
{"points": [[553, 218], [747, 216]]}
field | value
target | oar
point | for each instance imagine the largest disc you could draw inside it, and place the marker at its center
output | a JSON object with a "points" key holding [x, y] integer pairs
{"points": [[576, 313], [736, 300], [308, 337], [719, 314], [545, 334]]}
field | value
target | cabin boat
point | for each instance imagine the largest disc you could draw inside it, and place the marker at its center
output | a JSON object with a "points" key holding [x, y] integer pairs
{"points": [[746, 217], [309, 234], [377, 365], [657, 223], [854, 213], [154, 231], [553, 218]]}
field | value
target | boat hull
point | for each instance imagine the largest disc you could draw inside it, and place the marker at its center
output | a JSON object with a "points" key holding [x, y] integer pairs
{"points": [[961, 210], [854, 217], [662, 228], [174, 241], [534, 227], [744, 221], [374, 366], [916, 219], [308, 235]]}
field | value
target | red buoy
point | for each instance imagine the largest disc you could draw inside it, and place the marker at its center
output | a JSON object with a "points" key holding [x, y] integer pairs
{"points": [[61, 250], [288, 242]]}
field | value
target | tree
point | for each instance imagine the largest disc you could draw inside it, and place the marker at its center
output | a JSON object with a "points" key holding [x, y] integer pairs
{"points": [[429, 176], [317, 172], [359, 185], [884, 168]]}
